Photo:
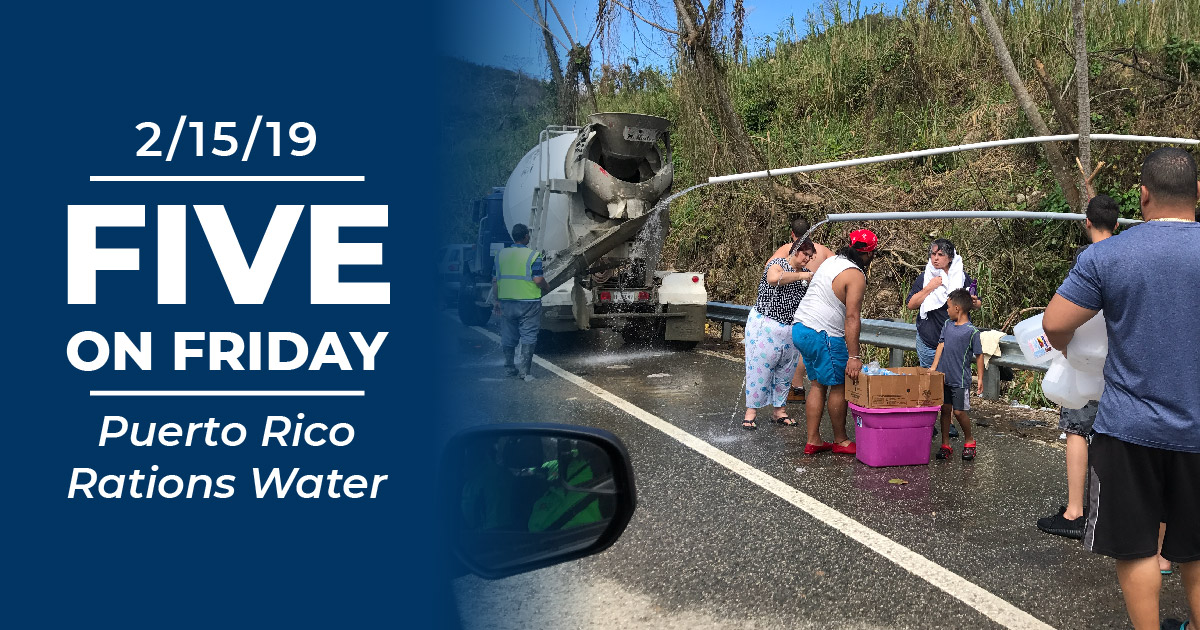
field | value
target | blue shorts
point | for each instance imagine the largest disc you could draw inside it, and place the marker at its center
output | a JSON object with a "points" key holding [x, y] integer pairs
{"points": [[957, 397], [824, 356]]}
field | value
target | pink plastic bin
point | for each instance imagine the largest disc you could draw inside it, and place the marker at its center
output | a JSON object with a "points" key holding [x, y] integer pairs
{"points": [[893, 437]]}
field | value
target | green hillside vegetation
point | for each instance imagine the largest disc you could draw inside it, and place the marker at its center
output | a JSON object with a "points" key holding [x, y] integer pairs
{"points": [[491, 118], [856, 83]]}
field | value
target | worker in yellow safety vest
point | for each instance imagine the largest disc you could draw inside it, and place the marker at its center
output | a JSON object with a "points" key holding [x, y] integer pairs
{"points": [[519, 286]]}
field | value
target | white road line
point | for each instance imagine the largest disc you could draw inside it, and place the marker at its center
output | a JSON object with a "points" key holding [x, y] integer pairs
{"points": [[953, 584], [720, 355]]}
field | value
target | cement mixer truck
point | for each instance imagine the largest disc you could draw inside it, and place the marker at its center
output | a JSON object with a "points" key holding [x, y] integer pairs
{"points": [[589, 195]]}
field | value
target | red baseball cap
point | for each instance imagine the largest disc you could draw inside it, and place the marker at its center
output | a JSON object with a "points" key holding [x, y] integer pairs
{"points": [[863, 240]]}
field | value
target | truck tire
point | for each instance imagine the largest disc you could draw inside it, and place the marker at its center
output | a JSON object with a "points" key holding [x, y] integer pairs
{"points": [[470, 313]]}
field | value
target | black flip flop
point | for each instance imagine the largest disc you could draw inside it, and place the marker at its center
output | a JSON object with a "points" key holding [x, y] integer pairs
{"points": [[784, 421], [749, 425]]}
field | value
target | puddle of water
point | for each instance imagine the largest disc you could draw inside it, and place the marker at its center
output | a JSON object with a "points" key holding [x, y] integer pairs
{"points": [[619, 366], [659, 375]]}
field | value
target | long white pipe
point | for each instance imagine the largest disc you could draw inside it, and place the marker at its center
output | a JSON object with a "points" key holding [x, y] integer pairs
{"points": [[963, 214], [924, 152]]}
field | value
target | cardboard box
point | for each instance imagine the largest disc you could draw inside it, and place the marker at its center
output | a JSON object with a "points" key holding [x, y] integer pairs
{"points": [[909, 387]]}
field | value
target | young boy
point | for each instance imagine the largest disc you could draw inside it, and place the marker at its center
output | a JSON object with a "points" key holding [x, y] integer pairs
{"points": [[958, 343], [1102, 214]]}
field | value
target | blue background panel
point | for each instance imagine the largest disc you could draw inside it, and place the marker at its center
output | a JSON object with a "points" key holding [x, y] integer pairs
{"points": [[78, 81]]}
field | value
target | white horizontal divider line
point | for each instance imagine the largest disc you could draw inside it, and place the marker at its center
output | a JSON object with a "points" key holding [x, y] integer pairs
{"points": [[227, 392], [953, 584], [227, 178]]}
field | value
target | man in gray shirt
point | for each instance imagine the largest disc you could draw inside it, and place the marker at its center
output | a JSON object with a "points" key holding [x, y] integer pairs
{"points": [[1144, 462]]}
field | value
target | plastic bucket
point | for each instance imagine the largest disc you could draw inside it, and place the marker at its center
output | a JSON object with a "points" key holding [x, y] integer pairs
{"points": [[893, 437]]}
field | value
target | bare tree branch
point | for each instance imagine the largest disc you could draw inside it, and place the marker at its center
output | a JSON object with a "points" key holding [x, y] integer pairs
{"points": [[1083, 97], [579, 58], [638, 16], [541, 24], [561, 22], [564, 98], [1060, 110], [1066, 180], [1135, 66]]}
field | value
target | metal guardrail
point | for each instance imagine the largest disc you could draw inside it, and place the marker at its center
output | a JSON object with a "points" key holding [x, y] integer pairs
{"points": [[899, 336], [728, 313]]}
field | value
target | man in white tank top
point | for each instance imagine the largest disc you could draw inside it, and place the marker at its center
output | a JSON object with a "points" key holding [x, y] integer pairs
{"points": [[827, 324]]}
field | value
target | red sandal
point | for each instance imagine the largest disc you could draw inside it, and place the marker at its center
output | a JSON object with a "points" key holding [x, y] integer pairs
{"points": [[813, 449], [849, 449], [968, 451]]}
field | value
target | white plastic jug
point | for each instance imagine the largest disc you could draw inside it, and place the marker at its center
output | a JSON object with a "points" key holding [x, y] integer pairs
{"points": [[1032, 339], [1088, 384], [1089, 346], [1059, 385]]}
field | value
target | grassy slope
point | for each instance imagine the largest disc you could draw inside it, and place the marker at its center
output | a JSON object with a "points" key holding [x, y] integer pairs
{"points": [[855, 86], [490, 120]]}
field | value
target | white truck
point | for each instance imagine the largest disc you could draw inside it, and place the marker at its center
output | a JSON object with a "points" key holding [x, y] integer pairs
{"points": [[588, 195]]}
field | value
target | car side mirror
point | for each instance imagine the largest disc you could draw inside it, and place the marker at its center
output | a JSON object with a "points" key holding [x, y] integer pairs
{"points": [[521, 497]]}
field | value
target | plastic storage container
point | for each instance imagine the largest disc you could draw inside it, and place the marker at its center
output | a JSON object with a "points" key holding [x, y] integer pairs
{"points": [[893, 437], [1032, 339], [1089, 347], [1061, 387]]}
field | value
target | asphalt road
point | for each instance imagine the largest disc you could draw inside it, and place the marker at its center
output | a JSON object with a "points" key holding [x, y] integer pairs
{"points": [[776, 539]]}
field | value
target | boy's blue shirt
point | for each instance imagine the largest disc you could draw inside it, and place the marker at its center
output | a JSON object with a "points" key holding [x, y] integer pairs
{"points": [[961, 346]]}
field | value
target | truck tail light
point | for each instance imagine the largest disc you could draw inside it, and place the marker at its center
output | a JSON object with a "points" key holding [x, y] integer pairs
{"points": [[605, 296], [643, 295], [695, 278]]}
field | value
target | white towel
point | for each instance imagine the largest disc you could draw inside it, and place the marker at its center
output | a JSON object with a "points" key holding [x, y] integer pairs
{"points": [[989, 342], [951, 280]]}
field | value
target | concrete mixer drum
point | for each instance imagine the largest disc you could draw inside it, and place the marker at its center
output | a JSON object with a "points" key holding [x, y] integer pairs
{"points": [[623, 162], [588, 195]]}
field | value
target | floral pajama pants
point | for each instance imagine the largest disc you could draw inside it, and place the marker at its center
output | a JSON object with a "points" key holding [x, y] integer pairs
{"points": [[770, 361]]}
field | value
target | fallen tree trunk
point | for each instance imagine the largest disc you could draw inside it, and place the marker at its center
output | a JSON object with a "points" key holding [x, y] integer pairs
{"points": [[1058, 165], [1083, 97]]}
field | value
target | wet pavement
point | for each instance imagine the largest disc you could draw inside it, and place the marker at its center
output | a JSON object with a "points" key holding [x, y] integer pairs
{"points": [[707, 548]]}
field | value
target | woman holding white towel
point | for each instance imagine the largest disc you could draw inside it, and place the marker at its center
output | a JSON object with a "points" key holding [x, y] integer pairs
{"points": [[943, 274]]}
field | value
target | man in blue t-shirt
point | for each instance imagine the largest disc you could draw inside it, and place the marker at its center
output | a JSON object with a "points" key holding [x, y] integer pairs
{"points": [[1144, 462]]}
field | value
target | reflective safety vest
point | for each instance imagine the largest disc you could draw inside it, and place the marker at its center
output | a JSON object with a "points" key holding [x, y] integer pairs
{"points": [[515, 274], [559, 508]]}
